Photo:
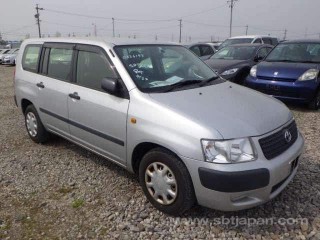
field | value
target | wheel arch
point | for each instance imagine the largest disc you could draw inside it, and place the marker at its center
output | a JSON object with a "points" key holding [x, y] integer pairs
{"points": [[141, 149], [24, 104]]}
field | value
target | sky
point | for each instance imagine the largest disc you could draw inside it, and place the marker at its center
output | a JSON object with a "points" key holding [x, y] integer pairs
{"points": [[202, 21]]}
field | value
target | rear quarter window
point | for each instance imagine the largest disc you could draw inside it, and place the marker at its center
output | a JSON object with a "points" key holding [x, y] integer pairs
{"points": [[30, 59]]}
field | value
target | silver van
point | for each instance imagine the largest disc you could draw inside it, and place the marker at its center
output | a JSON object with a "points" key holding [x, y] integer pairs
{"points": [[160, 112]]}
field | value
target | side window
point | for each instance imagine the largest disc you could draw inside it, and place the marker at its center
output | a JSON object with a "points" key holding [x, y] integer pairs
{"points": [[59, 64], [196, 50], [30, 58], [206, 50], [258, 40], [267, 41], [263, 52], [92, 67]]}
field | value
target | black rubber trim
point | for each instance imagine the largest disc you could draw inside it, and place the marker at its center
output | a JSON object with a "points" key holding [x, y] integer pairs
{"points": [[88, 129], [234, 181]]}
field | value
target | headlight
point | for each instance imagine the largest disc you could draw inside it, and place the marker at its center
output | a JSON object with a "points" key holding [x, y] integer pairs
{"points": [[253, 71], [229, 151], [230, 71], [309, 75]]}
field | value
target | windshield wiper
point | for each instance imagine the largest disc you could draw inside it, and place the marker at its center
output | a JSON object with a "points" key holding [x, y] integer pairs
{"points": [[280, 60], [182, 83], [309, 62], [208, 81]]}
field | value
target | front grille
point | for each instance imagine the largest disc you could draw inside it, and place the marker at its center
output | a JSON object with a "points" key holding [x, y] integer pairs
{"points": [[276, 79], [275, 144]]}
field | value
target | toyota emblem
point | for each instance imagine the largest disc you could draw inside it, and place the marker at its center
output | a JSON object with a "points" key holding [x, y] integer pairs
{"points": [[276, 73], [287, 136]]}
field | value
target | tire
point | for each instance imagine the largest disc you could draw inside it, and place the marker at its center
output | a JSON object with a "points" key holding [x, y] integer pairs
{"points": [[315, 103], [35, 129], [177, 172]]}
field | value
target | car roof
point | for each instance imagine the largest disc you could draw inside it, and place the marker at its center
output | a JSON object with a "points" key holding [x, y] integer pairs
{"points": [[204, 43], [302, 41], [250, 36], [250, 45], [98, 41]]}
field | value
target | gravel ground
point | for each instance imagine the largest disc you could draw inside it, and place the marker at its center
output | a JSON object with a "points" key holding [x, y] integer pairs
{"points": [[60, 191]]}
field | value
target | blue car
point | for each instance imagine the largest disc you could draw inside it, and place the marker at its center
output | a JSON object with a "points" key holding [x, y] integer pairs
{"points": [[290, 73]]}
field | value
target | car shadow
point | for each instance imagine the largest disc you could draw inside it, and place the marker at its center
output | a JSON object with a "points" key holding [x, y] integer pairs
{"points": [[59, 142]]}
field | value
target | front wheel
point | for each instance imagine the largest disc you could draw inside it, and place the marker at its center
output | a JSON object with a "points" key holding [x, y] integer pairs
{"points": [[315, 103], [166, 182]]}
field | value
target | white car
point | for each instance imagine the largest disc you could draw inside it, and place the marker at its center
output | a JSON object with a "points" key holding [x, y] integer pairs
{"points": [[250, 39], [10, 59], [2, 53]]}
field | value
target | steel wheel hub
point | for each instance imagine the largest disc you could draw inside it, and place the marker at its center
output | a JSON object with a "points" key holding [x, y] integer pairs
{"points": [[32, 125], [161, 183]]}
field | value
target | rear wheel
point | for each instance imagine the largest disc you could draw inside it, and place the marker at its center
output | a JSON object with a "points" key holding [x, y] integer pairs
{"points": [[315, 103], [166, 182], [34, 126]]}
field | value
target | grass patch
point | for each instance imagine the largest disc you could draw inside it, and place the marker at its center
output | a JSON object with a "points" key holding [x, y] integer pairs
{"points": [[77, 203], [65, 190]]}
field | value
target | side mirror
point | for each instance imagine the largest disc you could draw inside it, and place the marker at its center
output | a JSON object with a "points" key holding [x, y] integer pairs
{"points": [[110, 85], [258, 58]]}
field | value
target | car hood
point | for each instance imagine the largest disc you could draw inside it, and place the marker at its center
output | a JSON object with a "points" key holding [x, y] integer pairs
{"points": [[222, 64], [10, 55], [232, 110], [283, 71]]}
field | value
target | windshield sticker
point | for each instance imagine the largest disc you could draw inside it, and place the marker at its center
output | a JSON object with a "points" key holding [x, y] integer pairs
{"points": [[140, 55], [167, 82], [138, 72]]}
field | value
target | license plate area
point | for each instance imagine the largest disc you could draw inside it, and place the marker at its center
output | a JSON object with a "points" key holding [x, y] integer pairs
{"points": [[275, 88]]}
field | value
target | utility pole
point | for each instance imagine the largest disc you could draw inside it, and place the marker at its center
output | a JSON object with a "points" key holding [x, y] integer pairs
{"points": [[285, 34], [94, 29], [232, 2], [113, 27], [180, 30], [156, 37], [37, 16], [247, 27]]}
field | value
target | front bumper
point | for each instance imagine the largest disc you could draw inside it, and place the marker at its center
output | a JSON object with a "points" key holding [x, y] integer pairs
{"points": [[297, 91], [244, 185], [8, 62]]}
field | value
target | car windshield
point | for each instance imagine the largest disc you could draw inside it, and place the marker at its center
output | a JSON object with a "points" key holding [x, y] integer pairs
{"points": [[235, 53], [235, 41], [159, 67], [5, 51], [295, 52], [12, 51]]}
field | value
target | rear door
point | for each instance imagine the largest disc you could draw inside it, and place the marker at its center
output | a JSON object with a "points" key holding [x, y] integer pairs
{"points": [[53, 86], [97, 119]]}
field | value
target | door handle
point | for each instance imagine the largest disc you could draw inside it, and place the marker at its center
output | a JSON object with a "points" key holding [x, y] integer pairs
{"points": [[40, 85], [74, 95]]}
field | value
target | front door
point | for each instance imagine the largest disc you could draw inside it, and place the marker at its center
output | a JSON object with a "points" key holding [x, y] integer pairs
{"points": [[97, 119]]}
